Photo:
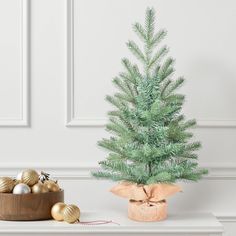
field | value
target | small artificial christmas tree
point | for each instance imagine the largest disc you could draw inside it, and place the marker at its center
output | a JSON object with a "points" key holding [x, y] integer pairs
{"points": [[151, 142]]}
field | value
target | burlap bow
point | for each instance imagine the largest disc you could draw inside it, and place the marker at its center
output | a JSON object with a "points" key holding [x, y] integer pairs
{"points": [[152, 193]]}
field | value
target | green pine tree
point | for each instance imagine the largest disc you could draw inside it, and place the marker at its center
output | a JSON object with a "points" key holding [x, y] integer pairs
{"points": [[151, 141]]}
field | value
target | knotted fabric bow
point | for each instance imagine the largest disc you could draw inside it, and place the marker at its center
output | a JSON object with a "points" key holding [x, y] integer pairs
{"points": [[145, 193]]}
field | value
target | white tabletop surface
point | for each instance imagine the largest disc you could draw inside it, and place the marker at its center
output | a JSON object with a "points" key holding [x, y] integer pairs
{"points": [[198, 222]]}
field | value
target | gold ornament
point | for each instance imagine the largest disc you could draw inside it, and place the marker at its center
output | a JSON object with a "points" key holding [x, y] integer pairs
{"points": [[6, 184], [57, 211], [71, 213], [52, 186], [39, 188], [30, 177]]}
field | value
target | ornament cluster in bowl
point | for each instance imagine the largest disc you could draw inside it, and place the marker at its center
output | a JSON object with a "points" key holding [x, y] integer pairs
{"points": [[29, 196]]}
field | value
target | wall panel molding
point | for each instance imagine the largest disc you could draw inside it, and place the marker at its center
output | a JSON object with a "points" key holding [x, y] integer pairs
{"points": [[226, 218], [25, 68], [72, 121], [101, 122], [80, 171], [70, 64]]}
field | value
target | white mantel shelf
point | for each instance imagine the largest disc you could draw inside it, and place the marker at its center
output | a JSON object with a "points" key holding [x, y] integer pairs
{"points": [[179, 224]]}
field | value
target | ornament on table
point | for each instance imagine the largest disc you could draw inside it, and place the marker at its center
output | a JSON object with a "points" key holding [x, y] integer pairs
{"points": [[44, 176], [57, 211], [6, 184], [21, 189], [71, 213], [30, 177], [39, 188], [52, 185]]}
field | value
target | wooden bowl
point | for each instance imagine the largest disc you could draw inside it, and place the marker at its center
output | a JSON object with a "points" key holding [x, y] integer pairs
{"points": [[29, 206]]}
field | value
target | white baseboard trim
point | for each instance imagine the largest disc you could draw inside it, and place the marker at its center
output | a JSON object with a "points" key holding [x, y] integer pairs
{"points": [[221, 172], [81, 171], [62, 171], [226, 218]]}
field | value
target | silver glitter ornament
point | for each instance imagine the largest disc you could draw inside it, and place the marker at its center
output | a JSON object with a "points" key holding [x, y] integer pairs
{"points": [[44, 176]]}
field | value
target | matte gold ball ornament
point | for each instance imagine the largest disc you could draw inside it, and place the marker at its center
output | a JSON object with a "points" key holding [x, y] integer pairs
{"points": [[57, 211], [52, 186], [6, 184], [29, 177], [39, 188], [71, 214]]}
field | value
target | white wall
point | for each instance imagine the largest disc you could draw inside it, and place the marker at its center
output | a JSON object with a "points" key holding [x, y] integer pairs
{"points": [[59, 110]]}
